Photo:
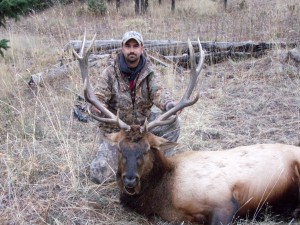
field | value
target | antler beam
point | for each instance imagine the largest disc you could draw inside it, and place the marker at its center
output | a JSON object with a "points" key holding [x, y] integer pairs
{"points": [[89, 95], [170, 116]]}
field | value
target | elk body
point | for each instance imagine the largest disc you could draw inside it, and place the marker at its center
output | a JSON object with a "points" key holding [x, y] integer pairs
{"points": [[208, 187]]}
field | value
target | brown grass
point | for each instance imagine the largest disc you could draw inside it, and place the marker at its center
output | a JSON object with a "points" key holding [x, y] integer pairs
{"points": [[45, 153]]}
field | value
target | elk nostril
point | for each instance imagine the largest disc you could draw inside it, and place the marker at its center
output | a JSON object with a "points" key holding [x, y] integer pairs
{"points": [[130, 181]]}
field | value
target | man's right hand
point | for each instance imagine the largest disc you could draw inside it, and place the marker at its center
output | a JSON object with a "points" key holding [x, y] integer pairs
{"points": [[95, 111], [170, 105]]}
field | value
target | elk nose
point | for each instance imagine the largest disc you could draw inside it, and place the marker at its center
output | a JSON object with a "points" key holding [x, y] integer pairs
{"points": [[130, 181]]}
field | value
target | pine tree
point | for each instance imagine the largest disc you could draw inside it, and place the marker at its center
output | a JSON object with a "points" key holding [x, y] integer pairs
{"points": [[11, 9]]}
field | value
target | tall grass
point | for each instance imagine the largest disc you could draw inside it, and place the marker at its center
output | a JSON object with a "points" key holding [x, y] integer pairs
{"points": [[45, 153]]}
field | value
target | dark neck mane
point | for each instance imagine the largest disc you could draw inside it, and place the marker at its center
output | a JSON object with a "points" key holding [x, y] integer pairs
{"points": [[152, 185]]}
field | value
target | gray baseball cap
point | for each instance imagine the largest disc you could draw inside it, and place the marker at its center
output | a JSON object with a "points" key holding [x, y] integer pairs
{"points": [[133, 35]]}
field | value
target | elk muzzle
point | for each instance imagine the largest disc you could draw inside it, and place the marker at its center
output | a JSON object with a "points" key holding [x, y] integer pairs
{"points": [[131, 184]]}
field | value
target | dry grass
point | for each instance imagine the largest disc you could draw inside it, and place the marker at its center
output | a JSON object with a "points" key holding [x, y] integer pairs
{"points": [[45, 153]]}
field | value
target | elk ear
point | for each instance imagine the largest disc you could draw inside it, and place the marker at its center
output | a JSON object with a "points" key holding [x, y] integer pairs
{"points": [[160, 143], [114, 138]]}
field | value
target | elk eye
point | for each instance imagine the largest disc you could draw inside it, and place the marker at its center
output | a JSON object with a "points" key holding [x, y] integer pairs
{"points": [[141, 155], [139, 160]]}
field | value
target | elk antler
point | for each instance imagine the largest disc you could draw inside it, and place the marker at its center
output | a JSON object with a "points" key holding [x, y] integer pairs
{"points": [[170, 116], [89, 95]]}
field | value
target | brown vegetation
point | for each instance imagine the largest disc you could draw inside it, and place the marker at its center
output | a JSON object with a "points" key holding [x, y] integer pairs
{"points": [[44, 152]]}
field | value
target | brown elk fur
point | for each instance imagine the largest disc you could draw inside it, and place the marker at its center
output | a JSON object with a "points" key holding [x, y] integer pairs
{"points": [[210, 187]]}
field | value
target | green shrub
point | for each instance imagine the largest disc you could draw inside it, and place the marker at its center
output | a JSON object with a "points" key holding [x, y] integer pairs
{"points": [[15, 8], [3, 45], [97, 6], [40, 5]]}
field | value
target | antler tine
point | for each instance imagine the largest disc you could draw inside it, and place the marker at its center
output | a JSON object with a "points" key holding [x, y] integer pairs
{"points": [[92, 43], [88, 91], [167, 117], [81, 51], [201, 59], [83, 44], [146, 127], [195, 69], [114, 120], [75, 53]]}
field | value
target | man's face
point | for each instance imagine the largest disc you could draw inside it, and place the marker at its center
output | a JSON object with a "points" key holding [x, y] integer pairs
{"points": [[132, 52]]}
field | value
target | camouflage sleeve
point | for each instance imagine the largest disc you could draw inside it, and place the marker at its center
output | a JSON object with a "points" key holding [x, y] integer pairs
{"points": [[159, 94], [102, 87]]}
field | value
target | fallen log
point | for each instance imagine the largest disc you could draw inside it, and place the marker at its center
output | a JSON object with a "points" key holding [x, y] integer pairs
{"points": [[50, 74], [166, 53], [215, 57], [168, 47], [58, 70]]}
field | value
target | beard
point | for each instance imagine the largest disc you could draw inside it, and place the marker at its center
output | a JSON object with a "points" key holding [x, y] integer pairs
{"points": [[132, 58]]}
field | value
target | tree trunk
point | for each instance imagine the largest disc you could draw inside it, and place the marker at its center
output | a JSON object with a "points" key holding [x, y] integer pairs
{"points": [[159, 2], [137, 6], [118, 4], [225, 4], [143, 7], [146, 5], [173, 6]]}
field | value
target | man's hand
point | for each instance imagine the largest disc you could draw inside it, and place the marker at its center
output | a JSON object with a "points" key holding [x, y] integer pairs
{"points": [[95, 111], [170, 105]]}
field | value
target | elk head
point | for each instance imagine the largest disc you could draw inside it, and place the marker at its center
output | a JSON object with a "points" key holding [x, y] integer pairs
{"points": [[137, 153], [138, 147]]}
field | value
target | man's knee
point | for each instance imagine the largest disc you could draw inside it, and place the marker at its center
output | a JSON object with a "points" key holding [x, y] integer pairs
{"points": [[101, 171], [170, 132], [103, 167]]}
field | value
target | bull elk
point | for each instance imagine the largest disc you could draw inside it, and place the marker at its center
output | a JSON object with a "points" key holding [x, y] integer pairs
{"points": [[207, 187]]}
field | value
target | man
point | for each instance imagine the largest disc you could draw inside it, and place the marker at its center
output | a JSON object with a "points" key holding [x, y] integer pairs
{"points": [[131, 86]]}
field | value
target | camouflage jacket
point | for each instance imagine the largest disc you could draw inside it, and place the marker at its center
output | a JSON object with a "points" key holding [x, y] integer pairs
{"points": [[112, 89]]}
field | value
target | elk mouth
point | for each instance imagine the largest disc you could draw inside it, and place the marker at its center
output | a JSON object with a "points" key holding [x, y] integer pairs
{"points": [[131, 184], [129, 190], [132, 190]]}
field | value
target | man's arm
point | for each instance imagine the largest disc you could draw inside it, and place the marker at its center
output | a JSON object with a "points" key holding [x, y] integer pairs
{"points": [[159, 94], [103, 89]]}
